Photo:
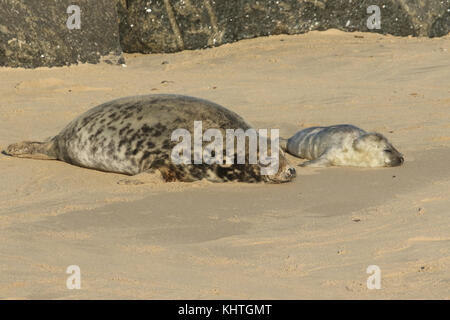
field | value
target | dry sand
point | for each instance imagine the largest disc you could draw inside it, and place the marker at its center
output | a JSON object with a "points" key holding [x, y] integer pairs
{"points": [[312, 238]]}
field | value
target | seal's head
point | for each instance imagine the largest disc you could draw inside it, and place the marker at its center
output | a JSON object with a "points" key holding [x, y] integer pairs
{"points": [[378, 149], [285, 172]]}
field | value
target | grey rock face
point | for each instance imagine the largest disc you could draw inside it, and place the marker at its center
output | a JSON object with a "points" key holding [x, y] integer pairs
{"points": [[151, 26], [36, 33], [441, 26]]}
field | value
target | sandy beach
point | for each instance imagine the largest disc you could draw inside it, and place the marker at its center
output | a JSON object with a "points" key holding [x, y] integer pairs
{"points": [[312, 238]]}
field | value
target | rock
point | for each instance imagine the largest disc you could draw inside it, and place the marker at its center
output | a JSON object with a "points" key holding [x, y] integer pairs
{"points": [[36, 33], [152, 26], [425, 13], [441, 26]]}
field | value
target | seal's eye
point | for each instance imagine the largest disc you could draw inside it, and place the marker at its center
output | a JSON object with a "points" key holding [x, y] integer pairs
{"points": [[387, 150]]}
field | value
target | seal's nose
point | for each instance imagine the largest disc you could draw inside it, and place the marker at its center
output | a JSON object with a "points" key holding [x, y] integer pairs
{"points": [[398, 161], [292, 172]]}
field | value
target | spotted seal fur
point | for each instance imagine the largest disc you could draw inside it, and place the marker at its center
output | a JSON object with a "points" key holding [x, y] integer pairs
{"points": [[133, 135]]}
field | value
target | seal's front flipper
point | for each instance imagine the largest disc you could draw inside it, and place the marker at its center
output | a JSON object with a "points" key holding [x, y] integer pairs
{"points": [[317, 163], [149, 176], [32, 150]]}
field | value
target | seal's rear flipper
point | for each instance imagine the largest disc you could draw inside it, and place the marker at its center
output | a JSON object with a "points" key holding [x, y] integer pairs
{"points": [[31, 150]]}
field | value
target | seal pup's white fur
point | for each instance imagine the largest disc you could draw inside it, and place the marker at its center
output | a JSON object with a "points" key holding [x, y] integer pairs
{"points": [[342, 145]]}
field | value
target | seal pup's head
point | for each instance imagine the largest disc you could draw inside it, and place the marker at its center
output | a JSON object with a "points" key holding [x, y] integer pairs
{"points": [[377, 151]]}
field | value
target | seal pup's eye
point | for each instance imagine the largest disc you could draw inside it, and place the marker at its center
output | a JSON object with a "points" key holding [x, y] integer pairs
{"points": [[387, 150]]}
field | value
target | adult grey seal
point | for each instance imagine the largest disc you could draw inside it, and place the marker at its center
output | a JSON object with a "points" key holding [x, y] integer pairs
{"points": [[133, 135], [342, 145]]}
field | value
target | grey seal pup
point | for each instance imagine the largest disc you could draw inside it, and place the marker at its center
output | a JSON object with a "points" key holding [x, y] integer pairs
{"points": [[133, 135], [342, 145]]}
